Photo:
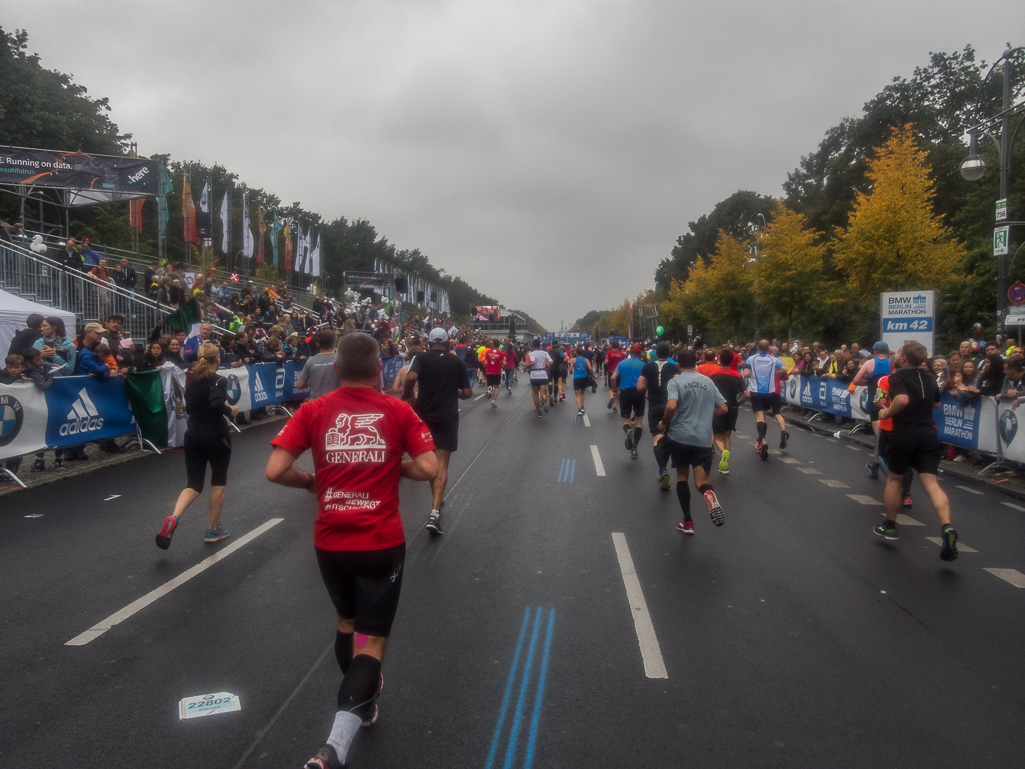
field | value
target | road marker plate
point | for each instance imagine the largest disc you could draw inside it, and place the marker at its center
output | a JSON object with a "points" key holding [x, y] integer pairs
{"points": [[834, 484], [789, 460], [970, 490], [1013, 576], [208, 705], [864, 499], [961, 546], [809, 471]]}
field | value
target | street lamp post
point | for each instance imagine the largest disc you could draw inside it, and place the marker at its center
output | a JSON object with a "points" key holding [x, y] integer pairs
{"points": [[755, 253], [974, 167]]}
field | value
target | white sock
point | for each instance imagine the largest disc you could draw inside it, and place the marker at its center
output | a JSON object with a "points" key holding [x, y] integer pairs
{"points": [[342, 732]]}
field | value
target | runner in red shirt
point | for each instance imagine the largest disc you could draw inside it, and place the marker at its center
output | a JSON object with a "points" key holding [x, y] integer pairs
{"points": [[494, 363], [358, 437], [612, 359]]}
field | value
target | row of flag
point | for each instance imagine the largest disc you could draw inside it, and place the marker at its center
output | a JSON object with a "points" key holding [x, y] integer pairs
{"points": [[418, 291], [198, 230]]}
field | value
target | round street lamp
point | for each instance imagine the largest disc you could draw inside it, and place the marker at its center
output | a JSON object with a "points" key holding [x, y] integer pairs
{"points": [[973, 168]]}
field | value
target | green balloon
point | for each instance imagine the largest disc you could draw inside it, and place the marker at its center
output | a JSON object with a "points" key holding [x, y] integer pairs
{"points": [[660, 331]]}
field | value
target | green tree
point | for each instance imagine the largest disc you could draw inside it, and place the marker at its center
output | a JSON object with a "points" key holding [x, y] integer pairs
{"points": [[894, 240]]}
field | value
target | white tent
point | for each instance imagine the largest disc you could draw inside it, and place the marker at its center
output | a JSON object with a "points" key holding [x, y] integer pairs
{"points": [[14, 311]]}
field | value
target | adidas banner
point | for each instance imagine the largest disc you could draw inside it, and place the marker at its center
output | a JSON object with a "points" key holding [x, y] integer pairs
{"points": [[83, 409], [270, 383], [812, 392]]}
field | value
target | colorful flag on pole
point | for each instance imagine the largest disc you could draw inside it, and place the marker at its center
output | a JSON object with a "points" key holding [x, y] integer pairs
{"points": [[204, 232], [275, 231], [163, 215], [224, 222], [261, 228], [288, 246], [188, 212], [247, 232], [315, 259]]}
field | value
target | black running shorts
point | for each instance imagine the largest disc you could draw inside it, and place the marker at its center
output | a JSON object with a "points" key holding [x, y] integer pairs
{"points": [[198, 451], [494, 380], [691, 456], [540, 381], [770, 402], [580, 384], [364, 585], [917, 449], [631, 401], [655, 413], [726, 422], [444, 432]]}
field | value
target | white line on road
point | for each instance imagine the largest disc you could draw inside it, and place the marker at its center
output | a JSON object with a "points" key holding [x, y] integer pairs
{"points": [[834, 484], [790, 460], [1013, 506], [482, 395], [112, 496], [970, 490], [1013, 576], [587, 422], [654, 665], [907, 520], [742, 436], [852, 448], [118, 617], [598, 466], [961, 546], [809, 471], [864, 499]]}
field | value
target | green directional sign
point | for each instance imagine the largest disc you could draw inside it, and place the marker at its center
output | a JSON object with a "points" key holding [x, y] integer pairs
{"points": [[1000, 241], [1001, 214]]}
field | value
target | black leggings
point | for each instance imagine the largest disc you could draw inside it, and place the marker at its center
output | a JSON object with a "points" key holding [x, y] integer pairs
{"points": [[199, 451]]}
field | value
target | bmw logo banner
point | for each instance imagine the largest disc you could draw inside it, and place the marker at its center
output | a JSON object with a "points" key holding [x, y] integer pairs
{"points": [[22, 419]]}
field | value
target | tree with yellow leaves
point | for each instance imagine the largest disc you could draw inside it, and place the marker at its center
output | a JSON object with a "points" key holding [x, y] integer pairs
{"points": [[893, 240], [788, 275], [716, 297]]}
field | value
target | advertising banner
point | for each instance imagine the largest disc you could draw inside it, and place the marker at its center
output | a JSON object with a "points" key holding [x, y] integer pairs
{"points": [[22, 419], [114, 178], [908, 315], [270, 384], [238, 387], [83, 409], [378, 280], [812, 392]]}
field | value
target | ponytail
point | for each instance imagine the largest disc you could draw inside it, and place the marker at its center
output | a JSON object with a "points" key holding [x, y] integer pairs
{"points": [[209, 358]]}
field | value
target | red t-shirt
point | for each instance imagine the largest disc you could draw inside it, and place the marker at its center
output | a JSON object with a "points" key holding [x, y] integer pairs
{"points": [[358, 437], [494, 361], [708, 369], [613, 358]]}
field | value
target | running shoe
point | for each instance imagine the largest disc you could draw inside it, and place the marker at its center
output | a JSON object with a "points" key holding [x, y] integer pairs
{"points": [[433, 524], [724, 463], [873, 470], [948, 551], [494, 405], [58, 464], [580, 412], [763, 448], [612, 402], [216, 535], [633, 454], [371, 719], [544, 406], [38, 466], [906, 502], [784, 439], [629, 442], [508, 389], [164, 537], [489, 392], [664, 478], [539, 414], [687, 527], [562, 396], [615, 410], [715, 510], [325, 758], [888, 530]]}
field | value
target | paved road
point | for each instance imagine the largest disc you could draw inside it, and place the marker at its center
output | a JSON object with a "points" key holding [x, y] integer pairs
{"points": [[791, 637]]}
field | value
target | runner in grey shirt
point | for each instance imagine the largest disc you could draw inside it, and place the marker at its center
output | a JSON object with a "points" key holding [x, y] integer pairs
{"points": [[693, 399], [319, 372]]}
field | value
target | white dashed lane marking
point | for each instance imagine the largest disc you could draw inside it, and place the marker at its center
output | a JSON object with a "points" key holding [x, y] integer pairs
{"points": [[809, 471], [907, 520], [1013, 576], [651, 654], [587, 422], [970, 490], [864, 499], [789, 460], [1013, 506], [599, 468], [852, 448], [961, 546], [834, 484]]}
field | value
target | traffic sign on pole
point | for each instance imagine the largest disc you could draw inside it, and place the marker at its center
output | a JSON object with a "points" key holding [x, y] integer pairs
{"points": [[1016, 293], [1001, 214], [1000, 240]]}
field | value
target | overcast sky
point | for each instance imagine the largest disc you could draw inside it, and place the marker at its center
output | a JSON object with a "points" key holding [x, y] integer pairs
{"points": [[548, 151]]}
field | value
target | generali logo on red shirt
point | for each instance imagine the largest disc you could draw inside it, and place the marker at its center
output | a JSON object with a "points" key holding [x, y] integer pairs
{"points": [[354, 439]]}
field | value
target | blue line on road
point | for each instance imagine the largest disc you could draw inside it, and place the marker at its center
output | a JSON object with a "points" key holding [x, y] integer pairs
{"points": [[536, 718], [573, 471], [510, 751], [508, 690], [567, 471]]}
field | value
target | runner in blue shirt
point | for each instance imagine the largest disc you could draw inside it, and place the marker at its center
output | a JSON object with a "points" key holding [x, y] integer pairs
{"points": [[631, 402], [761, 368]]}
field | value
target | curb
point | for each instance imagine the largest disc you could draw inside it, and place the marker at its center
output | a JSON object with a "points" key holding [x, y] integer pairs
{"points": [[951, 469]]}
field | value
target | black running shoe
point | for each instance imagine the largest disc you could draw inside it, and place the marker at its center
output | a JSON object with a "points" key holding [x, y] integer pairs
{"points": [[784, 439], [888, 530], [873, 471], [325, 758], [629, 442], [948, 551], [611, 401], [633, 454], [433, 524], [763, 449]]}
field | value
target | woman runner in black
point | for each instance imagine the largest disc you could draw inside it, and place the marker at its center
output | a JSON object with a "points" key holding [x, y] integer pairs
{"points": [[206, 440]]}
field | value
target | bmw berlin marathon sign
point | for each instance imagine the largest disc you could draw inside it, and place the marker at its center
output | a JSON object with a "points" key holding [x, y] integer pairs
{"points": [[908, 315]]}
